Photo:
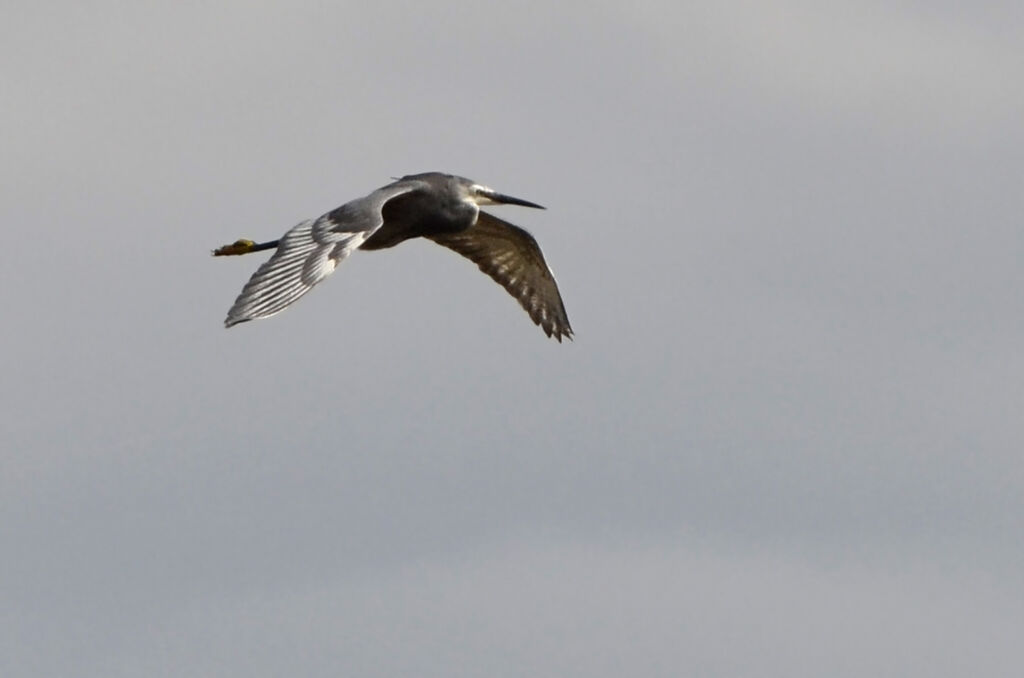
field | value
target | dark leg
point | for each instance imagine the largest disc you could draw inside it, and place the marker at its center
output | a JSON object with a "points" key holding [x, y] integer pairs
{"points": [[244, 247]]}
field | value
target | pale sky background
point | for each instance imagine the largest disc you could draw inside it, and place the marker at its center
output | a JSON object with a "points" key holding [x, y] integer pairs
{"points": [[786, 442]]}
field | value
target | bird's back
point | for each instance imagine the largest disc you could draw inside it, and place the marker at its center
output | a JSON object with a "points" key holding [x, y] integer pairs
{"points": [[426, 211]]}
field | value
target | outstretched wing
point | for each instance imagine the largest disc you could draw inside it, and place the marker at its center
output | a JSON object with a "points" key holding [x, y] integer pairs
{"points": [[513, 259], [310, 252]]}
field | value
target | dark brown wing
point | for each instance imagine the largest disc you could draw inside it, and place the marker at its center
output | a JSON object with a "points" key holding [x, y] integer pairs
{"points": [[512, 257]]}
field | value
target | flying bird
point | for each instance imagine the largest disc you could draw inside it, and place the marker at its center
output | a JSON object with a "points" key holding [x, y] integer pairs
{"points": [[441, 207]]}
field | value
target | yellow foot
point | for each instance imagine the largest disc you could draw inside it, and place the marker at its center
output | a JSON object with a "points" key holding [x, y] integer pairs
{"points": [[241, 246]]}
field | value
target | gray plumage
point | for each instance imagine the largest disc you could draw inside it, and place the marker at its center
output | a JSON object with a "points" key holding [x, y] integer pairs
{"points": [[441, 207]]}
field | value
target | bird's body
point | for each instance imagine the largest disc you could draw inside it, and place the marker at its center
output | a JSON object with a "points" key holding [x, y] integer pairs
{"points": [[423, 212], [441, 207]]}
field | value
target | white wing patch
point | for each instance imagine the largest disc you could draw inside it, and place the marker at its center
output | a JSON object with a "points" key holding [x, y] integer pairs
{"points": [[299, 264], [308, 253]]}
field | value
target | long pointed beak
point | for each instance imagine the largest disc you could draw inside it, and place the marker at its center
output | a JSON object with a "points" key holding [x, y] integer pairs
{"points": [[509, 200]]}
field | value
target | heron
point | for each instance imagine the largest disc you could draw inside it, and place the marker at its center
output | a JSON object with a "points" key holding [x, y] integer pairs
{"points": [[441, 207]]}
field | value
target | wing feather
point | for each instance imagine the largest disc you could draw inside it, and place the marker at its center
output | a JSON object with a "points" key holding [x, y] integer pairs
{"points": [[512, 257], [309, 252]]}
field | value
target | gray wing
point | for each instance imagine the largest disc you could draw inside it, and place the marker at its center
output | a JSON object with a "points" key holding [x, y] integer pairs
{"points": [[513, 259], [309, 252]]}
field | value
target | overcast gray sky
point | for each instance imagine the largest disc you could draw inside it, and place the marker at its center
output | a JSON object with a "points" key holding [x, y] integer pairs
{"points": [[786, 441]]}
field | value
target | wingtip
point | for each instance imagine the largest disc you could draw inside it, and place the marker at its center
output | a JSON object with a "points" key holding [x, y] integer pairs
{"points": [[558, 333]]}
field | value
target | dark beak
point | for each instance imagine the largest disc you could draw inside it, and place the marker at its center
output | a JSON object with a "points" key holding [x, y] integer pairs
{"points": [[509, 200]]}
